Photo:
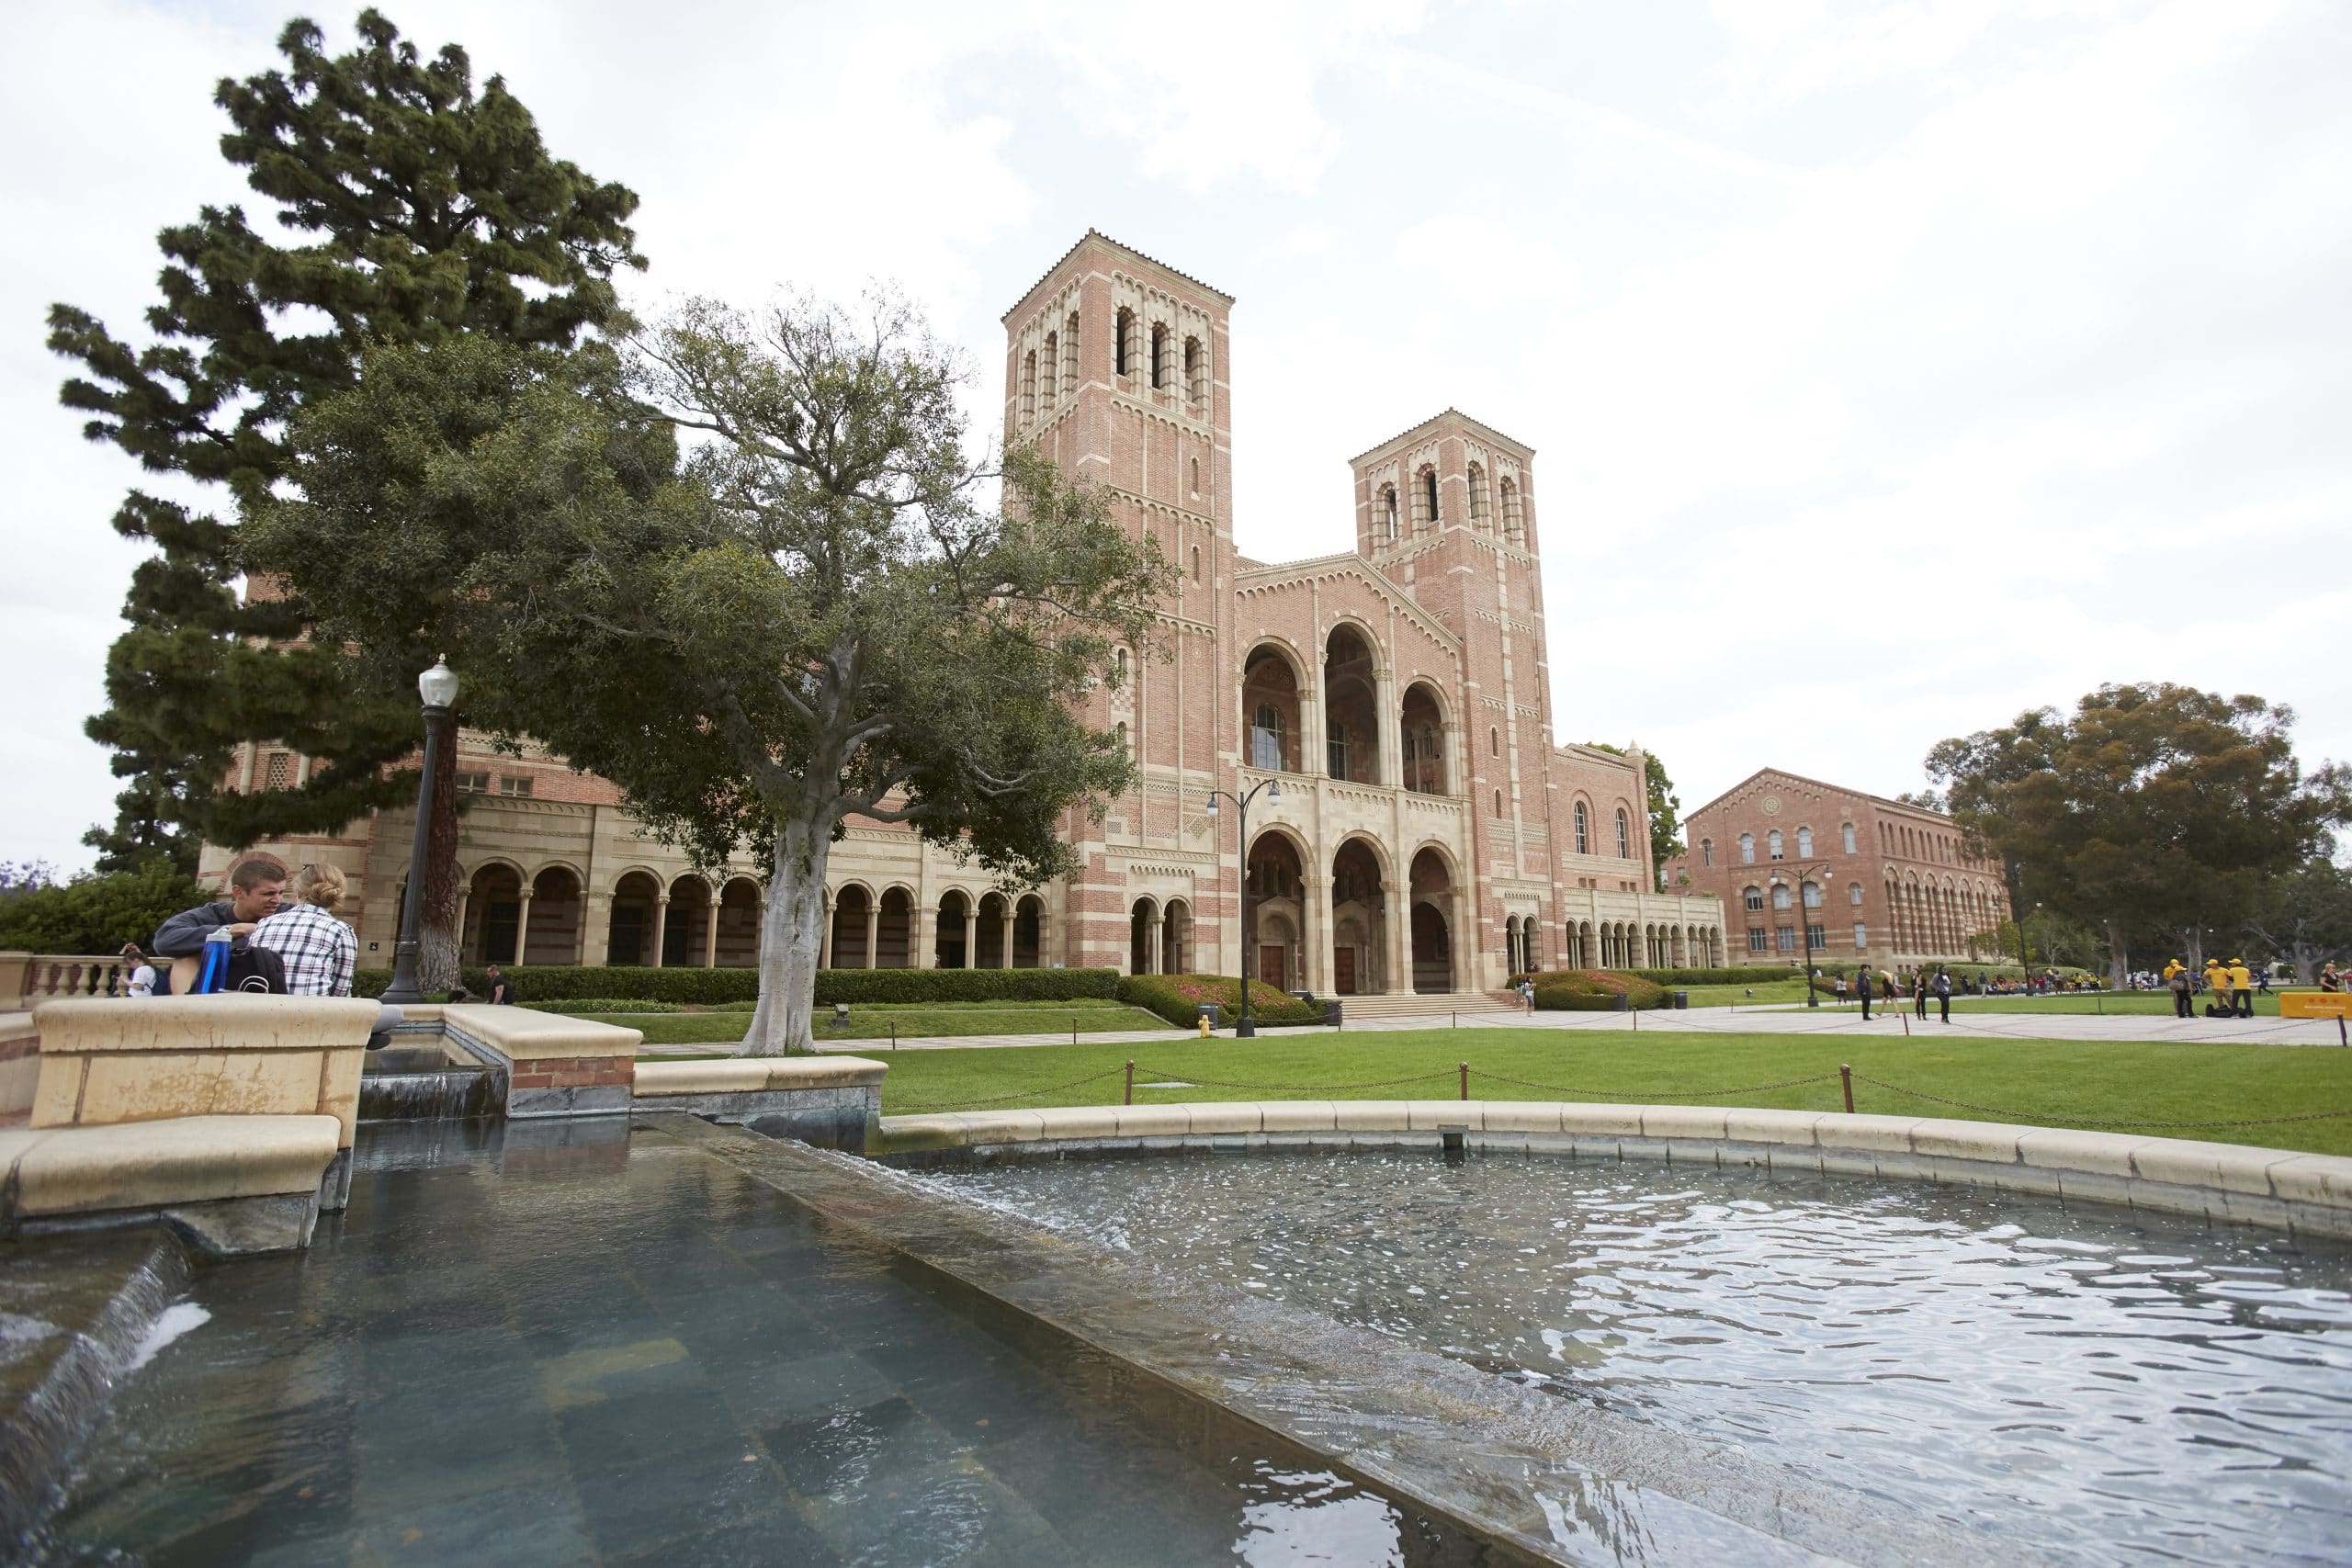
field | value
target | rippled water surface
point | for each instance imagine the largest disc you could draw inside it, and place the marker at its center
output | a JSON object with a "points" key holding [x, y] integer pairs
{"points": [[2105, 1385]]}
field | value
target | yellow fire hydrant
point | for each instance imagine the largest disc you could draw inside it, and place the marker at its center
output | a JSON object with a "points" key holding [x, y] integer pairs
{"points": [[1205, 1026]]}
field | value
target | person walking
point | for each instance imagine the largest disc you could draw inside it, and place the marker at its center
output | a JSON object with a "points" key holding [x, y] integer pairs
{"points": [[318, 950], [2242, 987], [1943, 994], [2176, 981], [1919, 993], [1863, 990]]}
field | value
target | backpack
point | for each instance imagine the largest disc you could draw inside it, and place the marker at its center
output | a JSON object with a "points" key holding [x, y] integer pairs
{"points": [[251, 968]]}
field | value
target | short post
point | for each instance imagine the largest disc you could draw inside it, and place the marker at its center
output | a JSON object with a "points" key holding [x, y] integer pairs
{"points": [[1637, 1019], [2340, 1037], [1131, 1081], [1457, 1021], [894, 1031], [1073, 1032], [1904, 1014], [1846, 1079], [1465, 1080]]}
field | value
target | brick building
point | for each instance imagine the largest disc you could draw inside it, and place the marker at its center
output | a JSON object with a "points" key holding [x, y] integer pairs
{"points": [[1873, 879], [1431, 833]]}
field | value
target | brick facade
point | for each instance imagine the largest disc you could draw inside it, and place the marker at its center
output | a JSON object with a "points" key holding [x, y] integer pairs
{"points": [[1431, 831], [1895, 883]]}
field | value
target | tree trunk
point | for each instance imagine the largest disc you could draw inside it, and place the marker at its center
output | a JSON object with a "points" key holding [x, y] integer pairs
{"points": [[792, 939], [2118, 962], [2192, 939], [436, 924]]}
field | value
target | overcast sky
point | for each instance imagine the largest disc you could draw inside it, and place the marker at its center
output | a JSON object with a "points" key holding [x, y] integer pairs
{"points": [[1890, 370]]}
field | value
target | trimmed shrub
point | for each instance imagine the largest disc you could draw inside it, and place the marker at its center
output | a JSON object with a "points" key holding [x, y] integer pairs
{"points": [[1752, 974], [614, 1005], [540, 983], [1594, 990], [1178, 999]]}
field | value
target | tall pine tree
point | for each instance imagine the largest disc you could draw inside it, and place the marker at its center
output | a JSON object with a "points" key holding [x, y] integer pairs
{"points": [[413, 208]]}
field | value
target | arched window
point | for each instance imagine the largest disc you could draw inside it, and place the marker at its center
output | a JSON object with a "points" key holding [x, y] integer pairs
{"points": [[1121, 341], [1053, 370], [1747, 849], [1029, 388], [1862, 936], [1813, 896], [1512, 527], [1429, 487], [1772, 843], [1159, 355], [1266, 740], [1848, 832], [1387, 521], [1123, 666], [1624, 839], [1494, 739], [1069, 353], [1805, 843], [1477, 494], [1780, 894], [1498, 803], [1854, 894], [1196, 563], [1120, 730], [1706, 851], [1754, 898], [1196, 372], [1196, 478], [1583, 834]]}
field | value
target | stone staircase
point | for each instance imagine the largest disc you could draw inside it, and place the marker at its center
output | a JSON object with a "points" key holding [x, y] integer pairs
{"points": [[1427, 1004]]}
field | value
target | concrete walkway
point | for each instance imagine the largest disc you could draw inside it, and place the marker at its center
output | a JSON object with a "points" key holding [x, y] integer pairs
{"points": [[1829, 1020]]}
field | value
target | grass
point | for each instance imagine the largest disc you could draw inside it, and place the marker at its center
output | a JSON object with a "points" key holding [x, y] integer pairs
{"points": [[1743, 995], [2155, 1004], [2047, 1082], [873, 1022]]}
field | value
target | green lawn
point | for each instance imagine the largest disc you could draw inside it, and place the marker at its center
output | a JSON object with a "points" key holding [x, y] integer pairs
{"points": [[875, 1022], [2055, 1083], [1790, 990], [2157, 1004]]}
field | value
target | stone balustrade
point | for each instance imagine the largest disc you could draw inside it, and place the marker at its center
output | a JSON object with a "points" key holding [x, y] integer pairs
{"points": [[27, 978]]}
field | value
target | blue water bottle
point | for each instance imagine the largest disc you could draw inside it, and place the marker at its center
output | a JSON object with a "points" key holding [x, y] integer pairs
{"points": [[214, 976]]}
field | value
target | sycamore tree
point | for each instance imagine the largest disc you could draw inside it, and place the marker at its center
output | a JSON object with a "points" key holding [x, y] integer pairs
{"points": [[2305, 915], [2150, 807], [404, 206], [836, 612]]}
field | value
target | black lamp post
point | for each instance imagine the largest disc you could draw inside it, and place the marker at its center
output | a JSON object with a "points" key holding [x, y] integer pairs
{"points": [[1804, 927], [1245, 1028], [438, 686]]}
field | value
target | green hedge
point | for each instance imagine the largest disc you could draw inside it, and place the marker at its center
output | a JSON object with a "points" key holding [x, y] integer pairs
{"points": [[537, 983], [1593, 990], [1178, 999], [1752, 974]]}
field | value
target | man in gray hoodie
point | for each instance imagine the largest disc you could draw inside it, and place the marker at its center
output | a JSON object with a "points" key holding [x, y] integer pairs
{"points": [[254, 889]]}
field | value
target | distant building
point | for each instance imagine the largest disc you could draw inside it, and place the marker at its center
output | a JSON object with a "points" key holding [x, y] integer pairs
{"points": [[1807, 867], [1431, 833]]}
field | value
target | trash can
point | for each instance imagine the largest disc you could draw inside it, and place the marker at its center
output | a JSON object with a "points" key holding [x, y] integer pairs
{"points": [[1682, 1001], [1624, 1002], [1330, 1015], [1209, 1011]]}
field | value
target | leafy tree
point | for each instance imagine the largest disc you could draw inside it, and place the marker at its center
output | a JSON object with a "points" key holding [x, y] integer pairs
{"points": [[419, 210], [824, 621], [98, 912], [2306, 916], [2151, 808], [1665, 811]]}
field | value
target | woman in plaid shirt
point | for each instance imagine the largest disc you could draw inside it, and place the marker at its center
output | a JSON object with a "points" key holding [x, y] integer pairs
{"points": [[319, 951]]}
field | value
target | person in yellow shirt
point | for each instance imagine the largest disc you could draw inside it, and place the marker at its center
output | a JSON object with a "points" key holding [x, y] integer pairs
{"points": [[2242, 987], [2217, 981]]}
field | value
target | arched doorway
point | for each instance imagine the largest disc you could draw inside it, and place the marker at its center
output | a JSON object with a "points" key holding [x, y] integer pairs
{"points": [[1422, 731], [494, 916], [851, 907], [1176, 938], [1269, 710], [1350, 707], [951, 946], [1029, 933], [1143, 938], [551, 922], [1359, 921], [739, 924], [894, 925], [628, 937], [685, 929], [1277, 911], [995, 932], [1433, 922]]}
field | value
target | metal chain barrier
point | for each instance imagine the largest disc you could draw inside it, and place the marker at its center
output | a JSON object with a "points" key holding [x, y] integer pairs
{"points": [[2092, 1122], [1618, 1094], [1000, 1098], [1293, 1088]]}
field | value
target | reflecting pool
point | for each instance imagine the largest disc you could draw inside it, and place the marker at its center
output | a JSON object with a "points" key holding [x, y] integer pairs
{"points": [[2103, 1385], [620, 1351]]}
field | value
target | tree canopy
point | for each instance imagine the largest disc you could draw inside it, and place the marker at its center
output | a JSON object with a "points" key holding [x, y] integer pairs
{"points": [[2153, 807], [417, 209]]}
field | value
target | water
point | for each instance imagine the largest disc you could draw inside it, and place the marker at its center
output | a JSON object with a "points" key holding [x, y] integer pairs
{"points": [[563, 1346], [2104, 1386]]}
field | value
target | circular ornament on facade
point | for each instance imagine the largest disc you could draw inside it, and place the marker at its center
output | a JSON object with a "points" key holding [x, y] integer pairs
{"points": [[1771, 804]]}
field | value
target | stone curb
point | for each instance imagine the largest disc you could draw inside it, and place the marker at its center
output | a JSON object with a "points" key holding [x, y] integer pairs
{"points": [[746, 1075], [2281, 1188]]}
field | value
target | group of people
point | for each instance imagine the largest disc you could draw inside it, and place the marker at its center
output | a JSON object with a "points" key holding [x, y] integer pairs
{"points": [[1868, 986], [297, 948], [2232, 986]]}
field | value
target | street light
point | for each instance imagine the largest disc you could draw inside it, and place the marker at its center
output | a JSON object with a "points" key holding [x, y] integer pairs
{"points": [[1245, 1028], [439, 687], [1804, 927]]}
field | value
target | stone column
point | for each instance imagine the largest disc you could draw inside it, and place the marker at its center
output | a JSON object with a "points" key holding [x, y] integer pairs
{"points": [[1152, 963], [923, 937], [595, 930], [1317, 969], [1004, 953], [1391, 719], [873, 933], [971, 935], [1466, 943], [523, 926], [825, 947], [710, 936], [1313, 747], [660, 925], [1397, 903]]}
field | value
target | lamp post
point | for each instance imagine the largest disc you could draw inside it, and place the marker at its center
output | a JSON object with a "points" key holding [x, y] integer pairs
{"points": [[1804, 927], [439, 687], [1244, 1027]]}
